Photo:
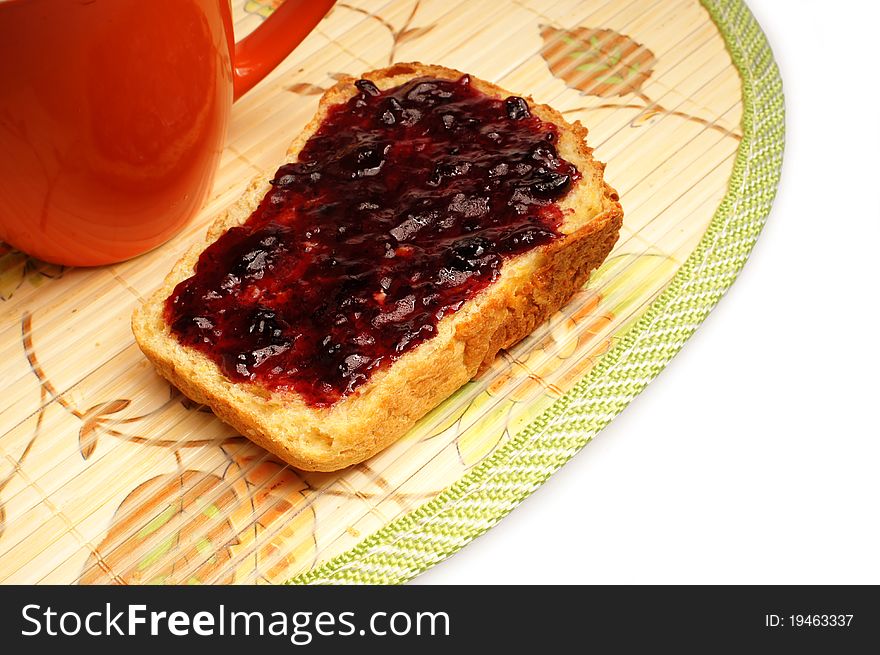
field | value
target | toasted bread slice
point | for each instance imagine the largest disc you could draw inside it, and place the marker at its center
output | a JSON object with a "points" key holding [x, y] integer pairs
{"points": [[530, 288]]}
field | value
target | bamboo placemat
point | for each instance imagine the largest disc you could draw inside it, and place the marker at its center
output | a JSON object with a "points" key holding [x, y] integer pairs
{"points": [[109, 475]]}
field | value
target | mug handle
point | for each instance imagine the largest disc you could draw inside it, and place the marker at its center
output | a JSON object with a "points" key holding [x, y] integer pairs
{"points": [[264, 48]]}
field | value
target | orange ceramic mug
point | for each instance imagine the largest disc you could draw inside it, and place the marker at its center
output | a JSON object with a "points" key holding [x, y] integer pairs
{"points": [[113, 114]]}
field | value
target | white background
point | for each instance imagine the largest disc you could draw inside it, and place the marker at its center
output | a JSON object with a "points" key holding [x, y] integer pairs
{"points": [[755, 456]]}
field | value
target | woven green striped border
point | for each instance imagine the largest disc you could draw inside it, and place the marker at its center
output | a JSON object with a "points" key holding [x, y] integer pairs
{"points": [[441, 527]]}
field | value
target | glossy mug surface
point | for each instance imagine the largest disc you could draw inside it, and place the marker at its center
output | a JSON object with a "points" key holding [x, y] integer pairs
{"points": [[113, 114]]}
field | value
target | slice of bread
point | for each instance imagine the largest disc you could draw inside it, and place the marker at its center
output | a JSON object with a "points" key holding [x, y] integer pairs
{"points": [[530, 288]]}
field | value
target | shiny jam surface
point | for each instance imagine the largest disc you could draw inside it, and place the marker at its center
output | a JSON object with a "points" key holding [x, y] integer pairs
{"points": [[404, 204]]}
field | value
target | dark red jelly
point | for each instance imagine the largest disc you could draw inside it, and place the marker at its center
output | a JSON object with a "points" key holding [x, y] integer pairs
{"points": [[403, 205]]}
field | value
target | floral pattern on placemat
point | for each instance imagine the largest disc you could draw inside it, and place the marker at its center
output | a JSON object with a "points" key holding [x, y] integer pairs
{"points": [[607, 64], [17, 268]]}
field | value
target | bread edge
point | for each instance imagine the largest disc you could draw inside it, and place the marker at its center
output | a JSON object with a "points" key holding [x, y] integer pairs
{"points": [[558, 271]]}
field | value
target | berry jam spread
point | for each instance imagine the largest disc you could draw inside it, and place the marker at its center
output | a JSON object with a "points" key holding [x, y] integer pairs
{"points": [[401, 207]]}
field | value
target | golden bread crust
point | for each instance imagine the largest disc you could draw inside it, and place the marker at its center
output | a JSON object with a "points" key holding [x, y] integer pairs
{"points": [[531, 287]]}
